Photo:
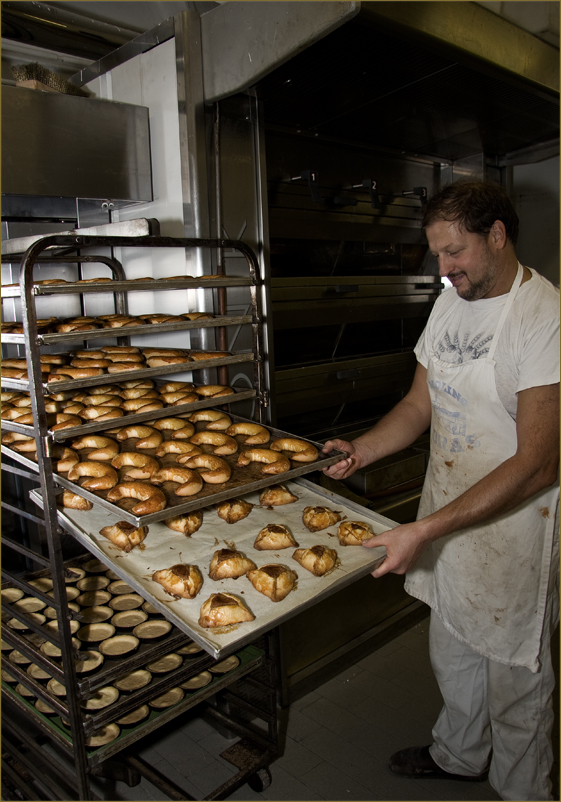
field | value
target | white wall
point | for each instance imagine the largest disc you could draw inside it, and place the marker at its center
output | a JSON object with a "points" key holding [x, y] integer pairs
{"points": [[536, 198]]}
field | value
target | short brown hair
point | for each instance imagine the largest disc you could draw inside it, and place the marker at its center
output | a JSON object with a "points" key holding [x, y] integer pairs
{"points": [[475, 205]]}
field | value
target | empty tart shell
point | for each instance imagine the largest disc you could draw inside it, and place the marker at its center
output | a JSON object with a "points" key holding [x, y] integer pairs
{"points": [[103, 697], [134, 680], [274, 536], [167, 699], [119, 645], [134, 717], [276, 495], [181, 580], [225, 665], [229, 564], [104, 735], [354, 533], [198, 681], [273, 580], [317, 518], [222, 609], [234, 510], [317, 559]]}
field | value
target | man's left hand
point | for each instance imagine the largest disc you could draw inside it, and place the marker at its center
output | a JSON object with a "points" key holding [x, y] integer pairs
{"points": [[403, 545]]}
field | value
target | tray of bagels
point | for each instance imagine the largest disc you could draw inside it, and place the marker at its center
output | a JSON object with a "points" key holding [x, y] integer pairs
{"points": [[233, 569]]}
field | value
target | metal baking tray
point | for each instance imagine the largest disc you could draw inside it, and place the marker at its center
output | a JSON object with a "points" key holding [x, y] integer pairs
{"points": [[243, 480], [163, 548]]}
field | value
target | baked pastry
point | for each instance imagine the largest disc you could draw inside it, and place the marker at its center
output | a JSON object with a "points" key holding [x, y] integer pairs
{"points": [[276, 495], [102, 476], [73, 501], [272, 537], [189, 480], [181, 580], [186, 524], [255, 433], [213, 469], [234, 510], [222, 444], [222, 609], [301, 450], [275, 581], [354, 533], [124, 535], [274, 461], [150, 498], [229, 564], [317, 559], [316, 518]]}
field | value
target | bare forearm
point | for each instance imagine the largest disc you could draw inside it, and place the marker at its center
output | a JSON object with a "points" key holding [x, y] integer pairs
{"points": [[507, 486], [395, 431]]}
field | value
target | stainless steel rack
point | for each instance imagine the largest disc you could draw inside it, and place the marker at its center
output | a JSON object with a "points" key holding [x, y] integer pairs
{"points": [[259, 745]]}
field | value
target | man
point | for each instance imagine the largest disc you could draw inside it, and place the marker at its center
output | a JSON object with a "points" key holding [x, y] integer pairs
{"points": [[482, 553]]}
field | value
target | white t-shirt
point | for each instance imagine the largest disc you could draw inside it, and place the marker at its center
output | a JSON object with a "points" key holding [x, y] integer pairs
{"points": [[527, 354]]}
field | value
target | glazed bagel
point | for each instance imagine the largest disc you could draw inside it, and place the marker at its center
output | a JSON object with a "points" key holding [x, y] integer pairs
{"points": [[102, 399], [172, 387], [164, 361], [256, 434], [118, 349], [183, 434], [66, 458], [304, 452], [124, 535], [202, 355], [151, 499], [150, 352], [144, 433], [138, 466], [177, 447], [178, 395], [196, 315], [73, 501], [190, 482], [24, 446], [188, 398], [210, 390], [101, 389], [213, 469], [68, 327], [105, 448], [222, 443], [78, 373], [122, 367], [274, 462], [27, 417], [64, 421], [172, 424], [138, 392], [14, 437], [103, 477], [90, 363], [87, 354], [123, 356], [138, 384], [216, 420], [101, 413], [134, 404], [186, 524]]}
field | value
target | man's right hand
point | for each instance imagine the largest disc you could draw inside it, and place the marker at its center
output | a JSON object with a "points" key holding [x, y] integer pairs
{"points": [[345, 467]]}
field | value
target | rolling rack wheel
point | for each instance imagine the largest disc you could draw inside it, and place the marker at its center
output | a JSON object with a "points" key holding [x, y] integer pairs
{"points": [[260, 781]]}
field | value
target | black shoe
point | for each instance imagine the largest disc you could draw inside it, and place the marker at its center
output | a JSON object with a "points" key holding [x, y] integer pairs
{"points": [[416, 761]]}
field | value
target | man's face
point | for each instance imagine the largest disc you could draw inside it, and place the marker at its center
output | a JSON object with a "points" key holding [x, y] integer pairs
{"points": [[467, 260]]}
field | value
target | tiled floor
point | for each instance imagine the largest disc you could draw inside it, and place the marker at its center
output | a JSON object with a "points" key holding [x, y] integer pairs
{"points": [[336, 738]]}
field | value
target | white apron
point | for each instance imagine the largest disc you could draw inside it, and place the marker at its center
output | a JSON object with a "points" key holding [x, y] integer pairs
{"points": [[487, 582]]}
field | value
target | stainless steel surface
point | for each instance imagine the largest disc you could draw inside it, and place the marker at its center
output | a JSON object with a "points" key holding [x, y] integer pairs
{"points": [[244, 41], [474, 32], [140, 227], [74, 147]]}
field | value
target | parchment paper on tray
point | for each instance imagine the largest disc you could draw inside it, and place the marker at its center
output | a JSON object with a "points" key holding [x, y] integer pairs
{"points": [[164, 547]]}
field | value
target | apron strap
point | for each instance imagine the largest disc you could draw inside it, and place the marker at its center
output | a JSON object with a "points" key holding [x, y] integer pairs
{"points": [[506, 310]]}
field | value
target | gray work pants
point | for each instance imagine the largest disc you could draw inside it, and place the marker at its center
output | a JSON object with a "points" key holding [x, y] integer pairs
{"points": [[494, 715]]}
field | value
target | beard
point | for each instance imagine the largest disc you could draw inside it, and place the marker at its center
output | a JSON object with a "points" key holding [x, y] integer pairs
{"points": [[476, 289]]}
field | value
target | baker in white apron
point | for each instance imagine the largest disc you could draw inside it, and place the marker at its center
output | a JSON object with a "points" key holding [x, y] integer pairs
{"points": [[488, 584]]}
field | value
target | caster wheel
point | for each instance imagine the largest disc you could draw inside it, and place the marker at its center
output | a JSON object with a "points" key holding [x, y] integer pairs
{"points": [[260, 780]]}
